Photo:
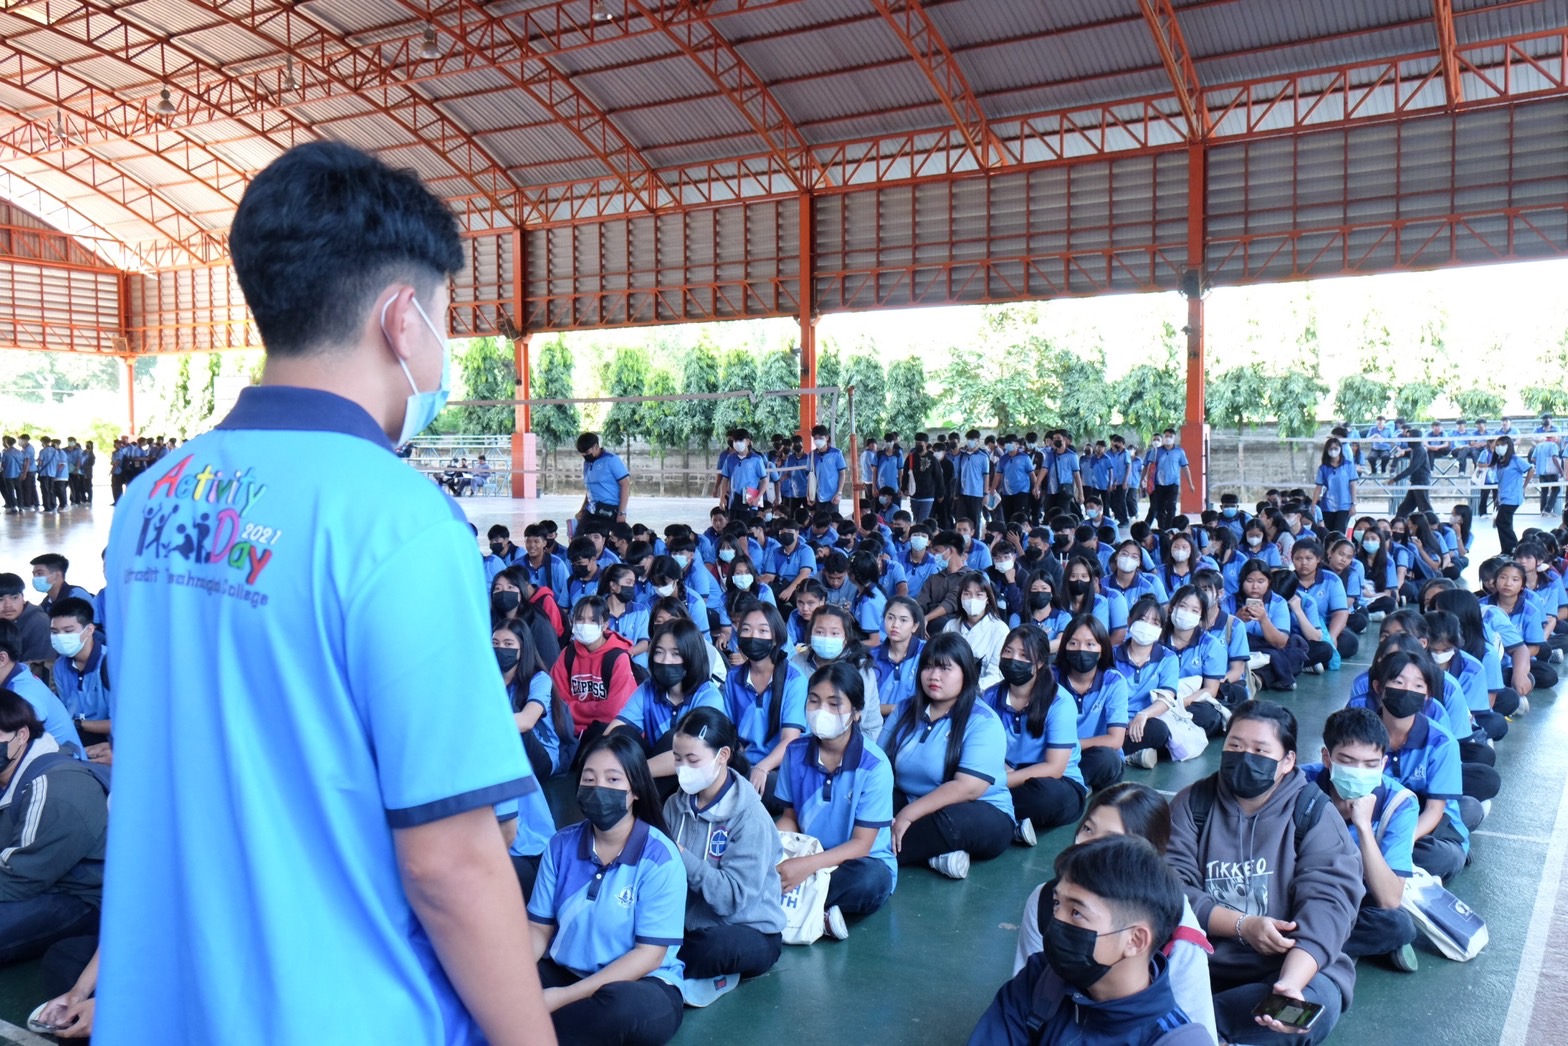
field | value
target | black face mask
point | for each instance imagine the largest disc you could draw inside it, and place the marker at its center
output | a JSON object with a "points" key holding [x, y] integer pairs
{"points": [[505, 601], [1401, 703], [1246, 774], [497, 547], [1069, 950], [754, 648], [1016, 672], [1082, 660], [506, 657], [1062, 542], [604, 807], [1039, 600], [1079, 587], [580, 571], [667, 676], [787, 538]]}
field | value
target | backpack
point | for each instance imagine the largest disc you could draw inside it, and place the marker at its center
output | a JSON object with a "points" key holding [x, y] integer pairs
{"points": [[1309, 806], [606, 665]]}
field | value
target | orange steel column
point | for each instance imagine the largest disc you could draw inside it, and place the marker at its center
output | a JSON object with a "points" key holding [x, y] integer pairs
{"points": [[130, 394], [524, 452], [808, 319], [1195, 431]]}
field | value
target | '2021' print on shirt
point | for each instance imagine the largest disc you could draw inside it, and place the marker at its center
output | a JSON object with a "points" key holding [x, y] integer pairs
{"points": [[200, 517]]}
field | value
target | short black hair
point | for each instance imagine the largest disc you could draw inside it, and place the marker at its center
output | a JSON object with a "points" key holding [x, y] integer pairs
{"points": [[1355, 726], [1268, 712], [16, 712], [1128, 873], [499, 531], [321, 231], [52, 561], [12, 585], [73, 607], [586, 441]]}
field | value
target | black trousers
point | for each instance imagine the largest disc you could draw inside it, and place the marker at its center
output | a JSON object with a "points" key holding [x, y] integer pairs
{"points": [[977, 828], [1336, 522], [1048, 802], [1414, 499], [1015, 506], [1441, 852], [632, 1013], [1358, 621], [1156, 735], [860, 887], [1163, 504], [970, 508], [712, 951], [1379, 931], [1101, 767], [1506, 538]]}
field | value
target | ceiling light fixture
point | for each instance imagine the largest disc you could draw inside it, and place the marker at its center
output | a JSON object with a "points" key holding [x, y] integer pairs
{"points": [[165, 106], [289, 83], [430, 51], [602, 14], [59, 128]]}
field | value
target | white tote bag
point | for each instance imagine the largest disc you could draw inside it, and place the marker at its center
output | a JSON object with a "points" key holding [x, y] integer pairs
{"points": [[1188, 740], [805, 905]]}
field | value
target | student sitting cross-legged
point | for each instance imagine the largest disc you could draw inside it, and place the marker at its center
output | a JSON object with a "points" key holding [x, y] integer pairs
{"points": [[730, 849], [677, 683], [1100, 978], [949, 755], [838, 788], [607, 911], [1381, 814]]}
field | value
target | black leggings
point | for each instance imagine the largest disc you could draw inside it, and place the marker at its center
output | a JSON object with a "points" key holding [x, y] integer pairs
{"points": [[1336, 522], [979, 829], [1505, 702], [1506, 537], [1348, 645], [1358, 621], [1101, 767], [712, 951], [1048, 802], [1156, 735], [633, 1013]]}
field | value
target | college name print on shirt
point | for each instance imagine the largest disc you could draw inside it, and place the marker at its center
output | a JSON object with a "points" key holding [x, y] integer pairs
{"points": [[1241, 886], [199, 516]]}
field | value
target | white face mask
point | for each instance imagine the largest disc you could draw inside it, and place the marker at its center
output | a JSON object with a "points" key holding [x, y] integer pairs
{"points": [[918, 542], [742, 581], [664, 591], [826, 725], [693, 779], [1442, 658], [1184, 619], [1180, 555], [1144, 633], [742, 446], [1170, 441], [1254, 540], [1004, 565], [1333, 455], [726, 555], [819, 442], [1127, 564], [975, 607], [587, 632]]}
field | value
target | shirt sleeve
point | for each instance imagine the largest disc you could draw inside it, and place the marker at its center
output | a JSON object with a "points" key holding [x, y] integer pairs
{"points": [[1115, 699], [631, 713], [542, 903], [1117, 609], [432, 766], [661, 902], [1443, 779], [793, 712], [1061, 722], [984, 753], [874, 805]]}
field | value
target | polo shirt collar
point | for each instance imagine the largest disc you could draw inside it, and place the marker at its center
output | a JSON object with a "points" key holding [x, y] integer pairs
{"points": [[852, 752], [287, 408], [729, 782], [630, 854], [1419, 731]]}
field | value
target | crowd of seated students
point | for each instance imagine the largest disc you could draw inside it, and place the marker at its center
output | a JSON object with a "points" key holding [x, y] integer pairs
{"points": [[920, 695]]}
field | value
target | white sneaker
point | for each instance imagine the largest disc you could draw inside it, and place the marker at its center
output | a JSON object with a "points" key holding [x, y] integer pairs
{"points": [[836, 927], [1025, 833], [1316, 670], [703, 991], [1144, 759], [1376, 616], [1557, 657], [1524, 706], [954, 864]]}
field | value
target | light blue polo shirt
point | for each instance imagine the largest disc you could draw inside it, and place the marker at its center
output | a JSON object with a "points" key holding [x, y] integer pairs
{"points": [[830, 806], [1160, 672], [1060, 732], [1336, 481], [1142, 584], [1236, 647], [1276, 608], [82, 691], [868, 609], [973, 467], [1168, 464], [1052, 624], [541, 692], [920, 756], [1204, 656], [829, 466], [650, 710], [1510, 481], [1017, 473], [1451, 710], [1102, 707], [263, 586], [746, 473], [1428, 765], [751, 711], [786, 566], [1470, 674], [896, 681], [1328, 592], [48, 708], [602, 478], [601, 912], [1393, 819], [916, 574]]}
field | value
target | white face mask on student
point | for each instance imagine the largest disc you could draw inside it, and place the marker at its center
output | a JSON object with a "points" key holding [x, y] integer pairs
{"points": [[693, 779], [827, 725]]}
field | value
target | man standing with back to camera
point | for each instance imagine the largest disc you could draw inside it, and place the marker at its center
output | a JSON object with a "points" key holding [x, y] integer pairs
{"points": [[316, 857]]}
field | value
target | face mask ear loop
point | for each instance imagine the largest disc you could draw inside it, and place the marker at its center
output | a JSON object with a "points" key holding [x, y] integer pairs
{"points": [[401, 362]]}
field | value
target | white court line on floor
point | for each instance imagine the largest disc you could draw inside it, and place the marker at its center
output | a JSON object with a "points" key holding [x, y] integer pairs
{"points": [[1485, 834], [21, 1036], [1516, 1028]]}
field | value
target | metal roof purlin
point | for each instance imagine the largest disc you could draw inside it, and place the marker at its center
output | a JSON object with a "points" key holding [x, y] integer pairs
{"points": [[1448, 49], [689, 28], [921, 38], [518, 60], [1172, 45]]}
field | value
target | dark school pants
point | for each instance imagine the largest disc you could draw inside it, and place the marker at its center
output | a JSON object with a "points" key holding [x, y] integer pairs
{"points": [[713, 951], [632, 1013], [1101, 766], [970, 508], [860, 887], [1048, 802], [1233, 1013], [979, 829], [1379, 931], [1440, 851], [28, 928], [1156, 735], [1504, 521], [1163, 504], [1336, 522], [1015, 506]]}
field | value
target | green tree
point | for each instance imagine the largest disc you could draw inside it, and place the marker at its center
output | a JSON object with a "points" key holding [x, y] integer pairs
{"points": [[1238, 398], [1412, 401], [1476, 402], [1084, 399], [830, 374], [1293, 399], [1005, 386], [1545, 399], [777, 415], [699, 374], [627, 375], [869, 380], [1360, 398], [1152, 399], [662, 422], [737, 373], [489, 373], [908, 402], [556, 425]]}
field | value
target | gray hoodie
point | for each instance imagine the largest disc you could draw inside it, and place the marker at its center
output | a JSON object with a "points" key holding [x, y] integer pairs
{"points": [[731, 850], [1250, 864]]}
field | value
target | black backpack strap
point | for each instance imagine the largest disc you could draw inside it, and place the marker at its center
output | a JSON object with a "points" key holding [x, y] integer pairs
{"points": [[1200, 800], [1309, 807], [103, 672]]}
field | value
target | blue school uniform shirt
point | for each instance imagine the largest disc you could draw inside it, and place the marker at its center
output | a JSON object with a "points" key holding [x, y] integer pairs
{"points": [[1204, 656], [896, 680], [792, 480], [887, 469], [1160, 672], [1450, 709], [601, 912], [602, 478], [1328, 592], [49, 709], [973, 467], [1428, 765], [1100, 471], [746, 473], [552, 574], [1059, 732], [1510, 481], [1545, 456], [1528, 623], [299, 701], [830, 806], [1335, 481], [1236, 645], [1017, 472], [1168, 464], [1118, 462], [1102, 707], [541, 692], [829, 465], [1471, 675], [1110, 609], [1055, 620], [919, 756], [649, 709], [1060, 467], [750, 711], [1354, 577], [1276, 608], [12, 463], [82, 691], [868, 609], [1142, 584], [1395, 811], [786, 566]]}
